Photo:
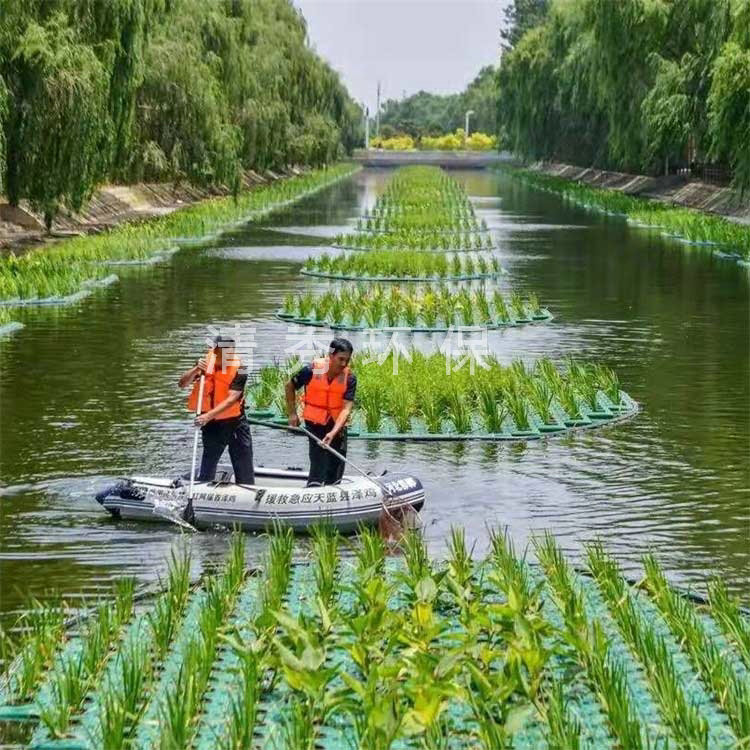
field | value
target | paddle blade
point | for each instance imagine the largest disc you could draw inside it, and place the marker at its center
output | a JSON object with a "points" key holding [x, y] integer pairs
{"points": [[393, 523]]}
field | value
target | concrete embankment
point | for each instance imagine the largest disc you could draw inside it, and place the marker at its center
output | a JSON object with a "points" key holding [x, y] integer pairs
{"points": [[673, 189], [21, 228]]}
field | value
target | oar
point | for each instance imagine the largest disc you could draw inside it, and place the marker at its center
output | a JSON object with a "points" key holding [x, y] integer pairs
{"points": [[210, 362], [341, 457]]}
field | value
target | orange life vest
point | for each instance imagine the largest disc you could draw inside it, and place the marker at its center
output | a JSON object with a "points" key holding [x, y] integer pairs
{"points": [[324, 399], [215, 390]]}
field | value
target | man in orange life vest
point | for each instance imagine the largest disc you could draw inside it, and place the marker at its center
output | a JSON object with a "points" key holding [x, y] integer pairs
{"points": [[222, 419], [329, 397]]}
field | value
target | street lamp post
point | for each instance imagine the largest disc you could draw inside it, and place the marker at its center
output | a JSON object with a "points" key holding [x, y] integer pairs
{"points": [[469, 113]]}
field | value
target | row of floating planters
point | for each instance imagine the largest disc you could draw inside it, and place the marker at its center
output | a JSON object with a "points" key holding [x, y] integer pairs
{"points": [[417, 240], [430, 308], [430, 219], [54, 274], [686, 225], [366, 651], [424, 397], [403, 265]]}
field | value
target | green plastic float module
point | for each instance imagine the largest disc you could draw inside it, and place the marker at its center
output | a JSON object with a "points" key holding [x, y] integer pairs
{"points": [[405, 279], [277, 698], [543, 316], [606, 413], [473, 230], [486, 249]]}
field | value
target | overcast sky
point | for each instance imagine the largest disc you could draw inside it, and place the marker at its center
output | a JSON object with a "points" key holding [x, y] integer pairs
{"points": [[435, 45]]}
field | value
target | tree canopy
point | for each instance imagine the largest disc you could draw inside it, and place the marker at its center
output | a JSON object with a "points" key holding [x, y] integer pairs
{"points": [[94, 90], [630, 85], [429, 114]]}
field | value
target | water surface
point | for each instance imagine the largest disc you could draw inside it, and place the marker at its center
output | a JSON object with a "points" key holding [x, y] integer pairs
{"points": [[89, 393]]}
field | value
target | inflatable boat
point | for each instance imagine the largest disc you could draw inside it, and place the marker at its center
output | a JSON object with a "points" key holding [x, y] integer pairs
{"points": [[278, 496]]}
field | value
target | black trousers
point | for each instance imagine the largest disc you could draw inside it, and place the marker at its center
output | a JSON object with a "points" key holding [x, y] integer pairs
{"points": [[235, 434], [325, 468]]}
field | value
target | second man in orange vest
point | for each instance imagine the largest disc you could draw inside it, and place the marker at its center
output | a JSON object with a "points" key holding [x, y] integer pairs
{"points": [[329, 397]]}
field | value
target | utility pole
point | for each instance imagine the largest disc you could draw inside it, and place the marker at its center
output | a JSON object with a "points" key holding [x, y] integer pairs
{"points": [[469, 113], [367, 128], [377, 115]]}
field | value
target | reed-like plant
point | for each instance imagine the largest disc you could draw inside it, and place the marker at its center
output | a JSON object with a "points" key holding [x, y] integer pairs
{"points": [[64, 268], [168, 609], [605, 675], [379, 305], [43, 632], [424, 386], [725, 609], [683, 718], [492, 409], [122, 702], [731, 692], [458, 411], [325, 549], [564, 727]]}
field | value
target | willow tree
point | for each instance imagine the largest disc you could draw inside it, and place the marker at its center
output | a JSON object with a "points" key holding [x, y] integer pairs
{"points": [[182, 89], [183, 114], [56, 120], [631, 85], [675, 111], [4, 108], [729, 98]]}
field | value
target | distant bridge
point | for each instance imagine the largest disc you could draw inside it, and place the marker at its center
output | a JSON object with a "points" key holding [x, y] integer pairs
{"points": [[446, 159]]}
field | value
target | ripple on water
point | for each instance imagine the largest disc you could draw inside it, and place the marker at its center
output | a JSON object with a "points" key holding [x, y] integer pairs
{"points": [[89, 393]]}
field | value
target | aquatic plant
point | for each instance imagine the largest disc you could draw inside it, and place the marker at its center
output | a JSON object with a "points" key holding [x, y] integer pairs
{"points": [[43, 633], [458, 411], [379, 305], [681, 715], [168, 609], [564, 727], [493, 412], [378, 650], [64, 268], [325, 550], [182, 700], [605, 674], [725, 609], [75, 675], [686, 224], [416, 241], [425, 392], [731, 692], [277, 562], [122, 701]]}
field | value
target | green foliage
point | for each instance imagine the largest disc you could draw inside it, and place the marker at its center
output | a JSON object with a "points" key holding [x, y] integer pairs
{"points": [[353, 647], [160, 89], [72, 265], [630, 85], [729, 109], [4, 108], [58, 117], [424, 113], [518, 17], [428, 389]]}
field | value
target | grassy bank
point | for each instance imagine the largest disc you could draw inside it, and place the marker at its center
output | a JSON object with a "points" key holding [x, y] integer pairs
{"points": [[360, 649], [725, 238], [52, 274]]}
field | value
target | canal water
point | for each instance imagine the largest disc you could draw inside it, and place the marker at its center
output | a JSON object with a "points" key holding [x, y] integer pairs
{"points": [[89, 393]]}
